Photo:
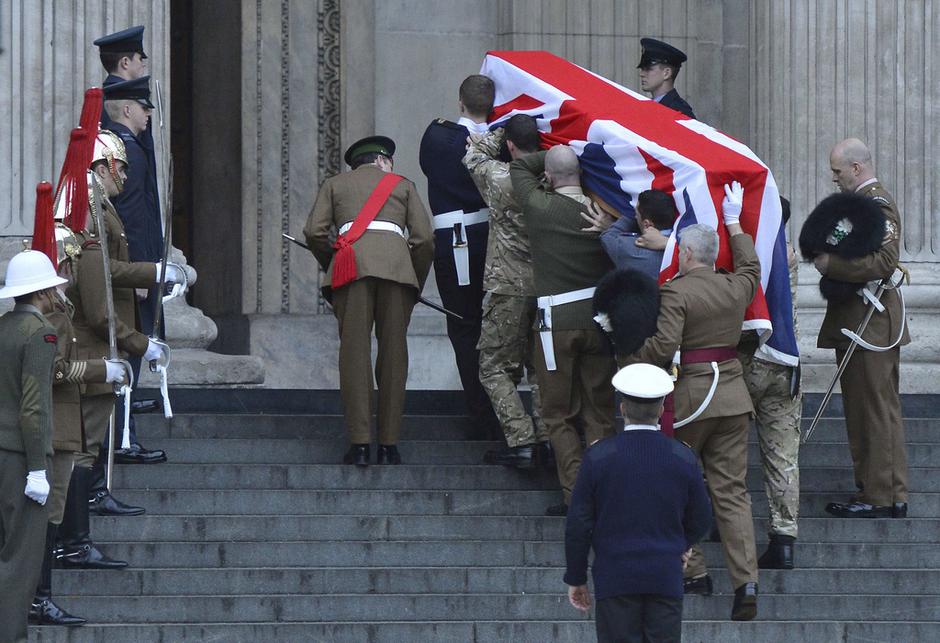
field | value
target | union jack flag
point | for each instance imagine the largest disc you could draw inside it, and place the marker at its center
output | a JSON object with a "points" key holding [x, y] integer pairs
{"points": [[628, 143]]}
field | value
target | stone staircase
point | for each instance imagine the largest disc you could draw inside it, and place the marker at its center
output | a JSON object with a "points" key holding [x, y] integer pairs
{"points": [[253, 533]]}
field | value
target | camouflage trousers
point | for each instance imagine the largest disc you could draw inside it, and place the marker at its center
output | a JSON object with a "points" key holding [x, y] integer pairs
{"points": [[505, 352], [778, 434]]}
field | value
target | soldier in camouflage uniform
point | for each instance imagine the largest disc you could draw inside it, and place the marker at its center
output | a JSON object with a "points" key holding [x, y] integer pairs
{"points": [[509, 312], [775, 393]]}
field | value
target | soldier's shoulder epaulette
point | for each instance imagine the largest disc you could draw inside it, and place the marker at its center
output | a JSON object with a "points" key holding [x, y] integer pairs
{"points": [[443, 122]]}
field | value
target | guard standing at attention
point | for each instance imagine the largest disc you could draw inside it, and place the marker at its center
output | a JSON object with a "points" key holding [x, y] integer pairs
{"points": [[461, 232], [375, 272], [659, 66], [27, 348]]}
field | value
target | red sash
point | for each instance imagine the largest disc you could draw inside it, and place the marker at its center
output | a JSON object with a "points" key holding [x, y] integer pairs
{"points": [[344, 262]]}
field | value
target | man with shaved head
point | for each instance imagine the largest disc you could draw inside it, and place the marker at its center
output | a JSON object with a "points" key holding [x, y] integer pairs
{"points": [[572, 357], [870, 380]]}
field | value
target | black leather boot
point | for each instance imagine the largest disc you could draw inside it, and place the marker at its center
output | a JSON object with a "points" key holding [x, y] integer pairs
{"points": [[358, 455], [388, 454], [521, 457], [43, 610], [78, 550], [745, 603], [779, 554], [100, 500]]}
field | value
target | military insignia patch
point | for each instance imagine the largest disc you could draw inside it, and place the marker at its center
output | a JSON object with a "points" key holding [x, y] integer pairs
{"points": [[891, 232], [880, 200], [50, 339]]}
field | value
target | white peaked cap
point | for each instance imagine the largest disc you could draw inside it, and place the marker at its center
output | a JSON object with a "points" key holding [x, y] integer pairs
{"points": [[643, 381]]}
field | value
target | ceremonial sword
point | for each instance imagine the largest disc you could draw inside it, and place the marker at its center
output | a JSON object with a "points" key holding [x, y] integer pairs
{"points": [[124, 389], [421, 300]]}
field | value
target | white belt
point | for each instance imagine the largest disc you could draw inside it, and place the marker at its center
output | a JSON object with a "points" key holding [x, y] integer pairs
{"points": [[545, 305], [448, 220], [385, 226]]}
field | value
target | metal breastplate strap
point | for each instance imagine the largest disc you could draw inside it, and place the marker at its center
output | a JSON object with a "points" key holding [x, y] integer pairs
{"points": [[545, 305], [459, 221], [385, 226]]}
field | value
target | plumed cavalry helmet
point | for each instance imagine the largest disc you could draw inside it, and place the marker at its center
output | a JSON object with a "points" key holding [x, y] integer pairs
{"points": [[110, 148]]}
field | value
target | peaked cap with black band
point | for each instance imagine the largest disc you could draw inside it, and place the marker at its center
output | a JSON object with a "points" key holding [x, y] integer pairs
{"points": [[845, 224], [137, 89], [130, 40], [626, 305], [657, 51], [381, 144]]}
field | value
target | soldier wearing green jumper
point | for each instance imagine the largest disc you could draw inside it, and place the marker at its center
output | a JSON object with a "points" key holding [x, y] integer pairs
{"points": [[27, 351]]}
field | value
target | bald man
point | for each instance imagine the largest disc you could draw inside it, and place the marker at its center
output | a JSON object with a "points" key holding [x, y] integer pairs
{"points": [[573, 360], [870, 381]]}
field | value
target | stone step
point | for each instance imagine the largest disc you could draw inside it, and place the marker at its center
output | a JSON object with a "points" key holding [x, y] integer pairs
{"points": [[435, 452], [451, 580], [154, 426], [360, 631], [408, 502], [338, 476], [467, 553], [495, 606], [285, 528]]}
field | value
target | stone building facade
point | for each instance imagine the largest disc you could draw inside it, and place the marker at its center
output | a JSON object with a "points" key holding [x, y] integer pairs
{"points": [[267, 93]]}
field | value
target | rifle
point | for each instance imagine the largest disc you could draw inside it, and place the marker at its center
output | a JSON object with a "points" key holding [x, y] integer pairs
{"points": [[421, 300], [113, 357]]}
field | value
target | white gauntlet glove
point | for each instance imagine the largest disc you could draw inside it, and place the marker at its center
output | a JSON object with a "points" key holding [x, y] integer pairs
{"points": [[154, 351], [115, 373], [37, 487], [172, 273], [733, 203]]}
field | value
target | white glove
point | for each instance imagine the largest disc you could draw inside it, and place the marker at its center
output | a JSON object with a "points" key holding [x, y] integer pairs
{"points": [[37, 487], [734, 201], [116, 373], [154, 351], [172, 273]]}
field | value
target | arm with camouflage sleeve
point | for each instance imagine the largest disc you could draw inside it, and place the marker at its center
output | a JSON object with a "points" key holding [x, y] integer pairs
{"points": [[490, 175]]}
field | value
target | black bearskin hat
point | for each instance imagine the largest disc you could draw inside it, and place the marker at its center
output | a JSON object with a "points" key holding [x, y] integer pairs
{"points": [[630, 301], [845, 224]]}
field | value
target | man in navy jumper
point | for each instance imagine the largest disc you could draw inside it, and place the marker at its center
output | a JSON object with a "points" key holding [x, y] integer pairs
{"points": [[640, 503]]}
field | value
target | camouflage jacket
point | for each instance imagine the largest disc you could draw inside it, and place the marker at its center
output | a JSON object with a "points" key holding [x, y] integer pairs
{"points": [[508, 259]]}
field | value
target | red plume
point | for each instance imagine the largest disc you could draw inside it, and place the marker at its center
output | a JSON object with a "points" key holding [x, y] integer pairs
{"points": [[73, 181], [44, 225], [91, 109]]}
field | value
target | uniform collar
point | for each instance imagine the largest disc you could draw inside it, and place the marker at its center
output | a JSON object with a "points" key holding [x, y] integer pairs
{"points": [[864, 185], [474, 127], [570, 190], [27, 308], [640, 427]]}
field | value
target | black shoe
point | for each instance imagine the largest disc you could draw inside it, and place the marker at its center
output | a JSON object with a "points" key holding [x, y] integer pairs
{"points": [[863, 510], [745, 603], [136, 454], [103, 503], [89, 557], [557, 510], [779, 554], [358, 455], [519, 457], [145, 406], [45, 612], [388, 454], [701, 585], [899, 510], [545, 455]]}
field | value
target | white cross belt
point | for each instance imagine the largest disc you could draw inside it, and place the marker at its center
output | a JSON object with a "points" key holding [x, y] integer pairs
{"points": [[545, 305]]}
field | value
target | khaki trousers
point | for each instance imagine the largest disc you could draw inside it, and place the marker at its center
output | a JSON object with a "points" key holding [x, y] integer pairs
{"points": [[22, 541], [62, 464], [577, 392], [874, 425], [721, 444], [359, 306], [96, 414]]}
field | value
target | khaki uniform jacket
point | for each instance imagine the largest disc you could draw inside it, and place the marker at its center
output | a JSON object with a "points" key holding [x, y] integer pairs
{"points": [[27, 351], [564, 257], [69, 376], [378, 253], [87, 294], [883, 328], [705, 309]]}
